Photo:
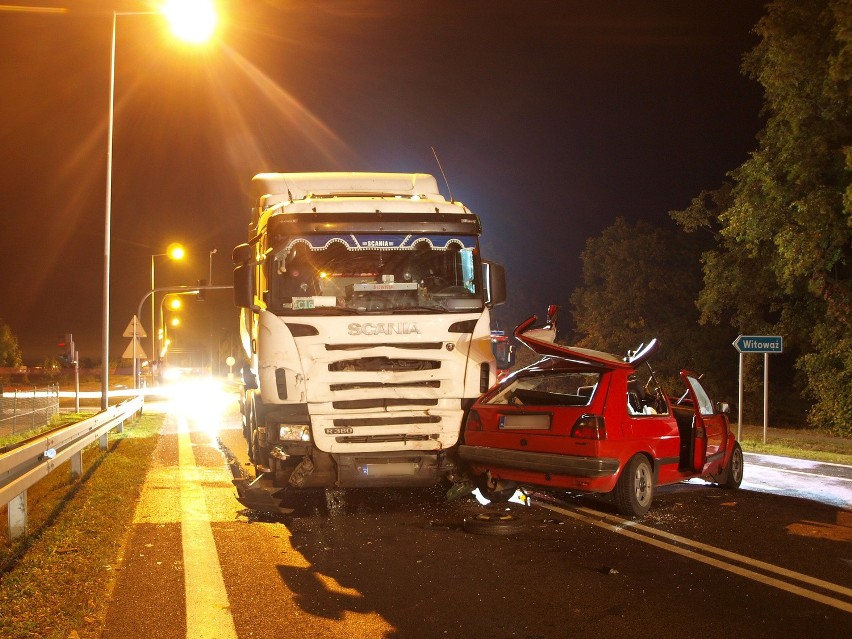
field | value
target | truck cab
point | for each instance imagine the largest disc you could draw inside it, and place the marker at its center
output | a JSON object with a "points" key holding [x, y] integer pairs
{"points": [[366, 326]]}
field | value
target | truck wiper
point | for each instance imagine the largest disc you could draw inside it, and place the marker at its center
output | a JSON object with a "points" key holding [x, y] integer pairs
{"points": [[416, 309], [328, 310]]}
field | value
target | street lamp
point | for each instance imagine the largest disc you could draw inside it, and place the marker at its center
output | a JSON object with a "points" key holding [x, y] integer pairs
{"points": [[175, 252], [178, 12], [191, 20], [167, 339], [174, 304], [210, 273]]}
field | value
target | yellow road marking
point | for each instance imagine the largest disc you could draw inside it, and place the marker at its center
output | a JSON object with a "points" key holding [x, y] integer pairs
{"points": [[628, 528], [208, 613]]}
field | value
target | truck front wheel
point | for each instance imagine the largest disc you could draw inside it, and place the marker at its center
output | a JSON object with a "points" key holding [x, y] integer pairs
{"points": [[257, 445]]}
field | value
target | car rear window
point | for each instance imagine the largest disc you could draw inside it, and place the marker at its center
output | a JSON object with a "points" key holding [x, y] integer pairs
{"points": [[548, 389]]}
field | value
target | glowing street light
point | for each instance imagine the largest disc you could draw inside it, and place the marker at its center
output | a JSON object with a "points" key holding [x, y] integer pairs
{"points": [[173, 301], [192, 21], [177, 12], [175, 252]]}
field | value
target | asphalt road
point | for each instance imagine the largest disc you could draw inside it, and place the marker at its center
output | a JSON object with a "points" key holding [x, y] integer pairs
{"points": [[703, 562], [819, 481]]}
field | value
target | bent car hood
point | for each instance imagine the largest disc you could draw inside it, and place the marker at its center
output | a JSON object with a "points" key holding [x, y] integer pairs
{"points": [[530, 337]]}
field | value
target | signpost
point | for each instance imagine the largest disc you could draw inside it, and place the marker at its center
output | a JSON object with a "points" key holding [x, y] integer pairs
{"points": [[758, 344], [134, 350], [766, 344]]}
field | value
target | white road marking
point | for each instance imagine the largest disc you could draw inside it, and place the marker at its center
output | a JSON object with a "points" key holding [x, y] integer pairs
{"points": [[628, 528], [802, 473], [208, 612]]}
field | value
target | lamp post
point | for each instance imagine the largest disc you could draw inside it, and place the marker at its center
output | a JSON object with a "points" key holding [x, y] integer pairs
{"points": [[167, 340], [175, 304], [193, 27], [210, 315], [175, 252]]}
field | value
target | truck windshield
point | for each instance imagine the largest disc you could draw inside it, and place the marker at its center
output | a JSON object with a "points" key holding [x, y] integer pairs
{"points": [[375, 273]]}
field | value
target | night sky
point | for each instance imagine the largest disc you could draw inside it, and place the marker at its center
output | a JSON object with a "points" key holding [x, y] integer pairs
{"points": [[550, 119]]}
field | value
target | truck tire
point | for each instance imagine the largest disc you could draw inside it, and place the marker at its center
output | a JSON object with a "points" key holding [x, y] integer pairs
{"points": [[245, 409]]}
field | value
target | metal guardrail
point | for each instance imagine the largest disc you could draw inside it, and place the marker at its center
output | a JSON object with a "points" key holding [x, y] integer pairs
{"points": [[22, 410], [25, 465]]}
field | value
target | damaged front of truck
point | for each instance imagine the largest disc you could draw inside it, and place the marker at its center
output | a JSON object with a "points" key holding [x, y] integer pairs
{"points": [[365, 317]]}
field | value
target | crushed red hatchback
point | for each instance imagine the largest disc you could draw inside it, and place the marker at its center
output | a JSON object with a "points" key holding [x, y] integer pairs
{"points": [[586, 421]]}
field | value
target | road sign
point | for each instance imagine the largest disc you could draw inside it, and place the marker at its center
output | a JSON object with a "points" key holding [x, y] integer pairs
{"points": [[759, 343], [766, 344], [130, 353], [134, 329]]}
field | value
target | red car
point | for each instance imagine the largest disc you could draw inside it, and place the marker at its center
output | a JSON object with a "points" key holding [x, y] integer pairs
{"points": [[586, 421]]}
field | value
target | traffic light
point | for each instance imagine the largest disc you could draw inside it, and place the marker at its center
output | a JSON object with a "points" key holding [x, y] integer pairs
{"points": [[200, 295], [66, 343]]}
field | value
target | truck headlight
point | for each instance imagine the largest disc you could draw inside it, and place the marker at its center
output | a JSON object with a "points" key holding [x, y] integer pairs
{"points": [[294, 433]]}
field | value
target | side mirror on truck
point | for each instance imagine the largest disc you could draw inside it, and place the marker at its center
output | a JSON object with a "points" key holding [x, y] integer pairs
{"points": [[494, 276], [243, 275]]}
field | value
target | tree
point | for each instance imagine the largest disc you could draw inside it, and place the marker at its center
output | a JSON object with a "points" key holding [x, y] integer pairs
{"points": [[52, 368], [784, 225], [739, 291], [640, 281], [10, 353]]}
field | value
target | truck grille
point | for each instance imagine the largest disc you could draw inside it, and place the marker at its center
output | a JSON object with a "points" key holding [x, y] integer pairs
{"points": [[400, 420], [377, 364], [379, 402], [405, 345], [360, 385], [383, 439]]}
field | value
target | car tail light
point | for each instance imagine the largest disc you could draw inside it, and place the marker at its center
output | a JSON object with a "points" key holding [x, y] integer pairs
{"points": [[474, 421], [589, 427]]}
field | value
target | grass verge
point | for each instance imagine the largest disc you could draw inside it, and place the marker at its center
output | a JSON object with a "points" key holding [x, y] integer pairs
{"points": [[53, 582], [58, 420], [796, 442]]}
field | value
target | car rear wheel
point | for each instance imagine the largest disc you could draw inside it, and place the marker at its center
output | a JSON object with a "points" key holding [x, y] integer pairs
{"points": [[734, 472], [635, 488]]}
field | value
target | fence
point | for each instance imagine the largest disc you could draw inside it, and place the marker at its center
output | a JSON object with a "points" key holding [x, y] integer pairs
{"points": [[22, 410]]}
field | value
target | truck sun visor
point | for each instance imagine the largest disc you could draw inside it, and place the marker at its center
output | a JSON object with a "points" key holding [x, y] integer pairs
{"points": [[390, 242]]}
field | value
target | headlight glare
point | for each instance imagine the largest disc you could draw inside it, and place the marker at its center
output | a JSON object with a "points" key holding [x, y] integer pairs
{"points": [[294, 433]]}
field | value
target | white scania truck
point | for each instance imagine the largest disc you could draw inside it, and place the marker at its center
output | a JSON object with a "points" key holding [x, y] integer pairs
{"points": [[365, 322]]}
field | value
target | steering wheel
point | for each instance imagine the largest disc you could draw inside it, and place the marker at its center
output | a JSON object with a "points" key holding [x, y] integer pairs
{"points": [[433, 281], [657, 392]]}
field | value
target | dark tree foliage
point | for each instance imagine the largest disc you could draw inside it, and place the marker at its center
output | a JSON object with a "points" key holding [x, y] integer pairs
{"points": [[640, 281], [783, 228], [10, 353]]}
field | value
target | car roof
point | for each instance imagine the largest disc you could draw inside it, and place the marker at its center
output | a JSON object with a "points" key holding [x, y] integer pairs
{"points": [[585, 357]]}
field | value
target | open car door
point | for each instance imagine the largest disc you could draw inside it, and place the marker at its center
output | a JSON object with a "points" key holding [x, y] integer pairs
{"points": [[709, 428]]}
